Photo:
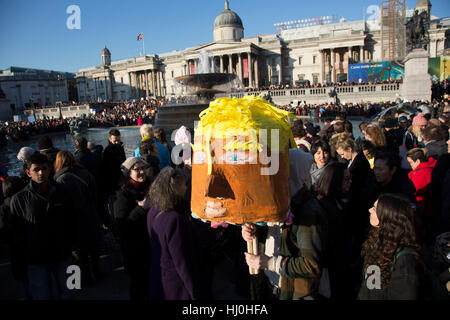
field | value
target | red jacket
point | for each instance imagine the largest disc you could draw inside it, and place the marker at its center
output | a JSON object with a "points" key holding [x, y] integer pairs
{"points": [[421, 177]]}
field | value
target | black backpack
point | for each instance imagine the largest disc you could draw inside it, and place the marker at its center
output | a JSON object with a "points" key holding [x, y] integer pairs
{"points": [[433, 288]]}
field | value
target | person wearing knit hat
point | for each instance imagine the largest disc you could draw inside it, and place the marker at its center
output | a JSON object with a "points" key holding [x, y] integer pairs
{"points": [[128, 164], [418, 124], [403, 121], [183, 140], [25, 154], [130, 214], [420, 120]]}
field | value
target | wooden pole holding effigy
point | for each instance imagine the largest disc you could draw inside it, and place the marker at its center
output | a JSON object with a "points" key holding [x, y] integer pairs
{"points": [[252, 247]]}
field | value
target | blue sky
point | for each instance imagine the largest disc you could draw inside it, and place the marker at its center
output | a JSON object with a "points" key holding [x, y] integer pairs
{"points": [[34, 33]]}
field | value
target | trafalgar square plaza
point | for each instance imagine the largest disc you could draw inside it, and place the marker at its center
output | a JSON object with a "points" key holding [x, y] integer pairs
{"points": [[225, 155]]}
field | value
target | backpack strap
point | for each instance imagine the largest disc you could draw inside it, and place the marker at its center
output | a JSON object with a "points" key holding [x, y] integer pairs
{"points": [[401, 253]]}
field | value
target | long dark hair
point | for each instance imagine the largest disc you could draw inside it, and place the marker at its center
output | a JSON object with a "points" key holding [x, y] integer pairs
{"points": [[396, 231], [163, 191], [330, 181]]}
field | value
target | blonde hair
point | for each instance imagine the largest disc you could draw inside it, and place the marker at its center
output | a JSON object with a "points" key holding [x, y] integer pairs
{"points": [[416, 131], [345, 142], [146, 130], [376, 135]]}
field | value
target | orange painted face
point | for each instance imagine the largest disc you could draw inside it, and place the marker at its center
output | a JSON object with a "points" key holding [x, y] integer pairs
{"points": [[241, 161], [243, 186]]}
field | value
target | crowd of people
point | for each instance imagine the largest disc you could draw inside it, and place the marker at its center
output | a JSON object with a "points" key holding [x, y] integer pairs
{"points": [[379, 201], [326, 110], [125, 113], [22, 130], [128, 113], [308, 85]]}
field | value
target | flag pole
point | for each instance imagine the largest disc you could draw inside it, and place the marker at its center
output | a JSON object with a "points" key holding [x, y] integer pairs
{"points": [[143, 43]]}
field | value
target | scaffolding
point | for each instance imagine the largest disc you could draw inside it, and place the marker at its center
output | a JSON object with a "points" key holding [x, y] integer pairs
{"points": [[393, 30]]}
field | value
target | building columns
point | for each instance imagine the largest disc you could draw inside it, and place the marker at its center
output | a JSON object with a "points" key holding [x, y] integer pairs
{"points": [[221, 64], [322, 66], [257, 71], [240, 75], [136, 85], [158, 84], [360, 53], [154, 83], [250, 70], [279, 71], [332, 65], [161, 89], [146, 84], [106, 89]]}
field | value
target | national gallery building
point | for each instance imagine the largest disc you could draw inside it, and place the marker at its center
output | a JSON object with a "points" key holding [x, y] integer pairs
{"points": [[318, 53]]}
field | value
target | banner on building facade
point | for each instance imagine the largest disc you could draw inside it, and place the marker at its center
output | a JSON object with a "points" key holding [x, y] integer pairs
{"points": [[192, 69], [439, 68], [245, 67], [376, 71]]}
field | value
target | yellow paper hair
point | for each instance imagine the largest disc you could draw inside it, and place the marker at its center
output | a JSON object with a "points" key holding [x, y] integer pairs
{"points": [[227, 117]]}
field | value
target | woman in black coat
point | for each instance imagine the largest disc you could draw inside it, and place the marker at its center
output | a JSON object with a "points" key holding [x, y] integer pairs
{"points": [[130, 212], [356, 221], [333, 183], [81, 186], [393, 266]]}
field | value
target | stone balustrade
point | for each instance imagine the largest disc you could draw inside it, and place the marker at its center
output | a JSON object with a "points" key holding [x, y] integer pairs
{"points": [[53, 113], [347, 94]]}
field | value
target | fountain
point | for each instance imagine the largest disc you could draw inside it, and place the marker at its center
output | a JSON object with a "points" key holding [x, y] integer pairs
{"points": [[205, 84], [195, 91]]}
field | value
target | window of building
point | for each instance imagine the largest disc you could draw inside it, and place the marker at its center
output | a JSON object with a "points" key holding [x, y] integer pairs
{"points": [[341, 57], [173, 73], [121, 79], [301, 77], [300, 60], [314, 59]]}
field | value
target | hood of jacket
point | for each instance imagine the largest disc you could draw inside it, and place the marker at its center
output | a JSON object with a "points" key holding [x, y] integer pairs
{"points": [[429, 164]]}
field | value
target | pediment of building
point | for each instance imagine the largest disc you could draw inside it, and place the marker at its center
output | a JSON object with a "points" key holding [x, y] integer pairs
{"points": [[221, 47]]}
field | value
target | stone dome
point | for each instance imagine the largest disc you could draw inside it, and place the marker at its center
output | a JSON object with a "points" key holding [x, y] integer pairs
{"points": [[228, 18]]}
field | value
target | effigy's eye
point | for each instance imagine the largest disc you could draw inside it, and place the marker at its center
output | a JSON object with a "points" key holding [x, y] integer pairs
{"points": [[199, 157], [237, 157]]}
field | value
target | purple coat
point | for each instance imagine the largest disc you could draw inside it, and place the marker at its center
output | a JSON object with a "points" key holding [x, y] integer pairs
{"points": [[176, 271]]}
